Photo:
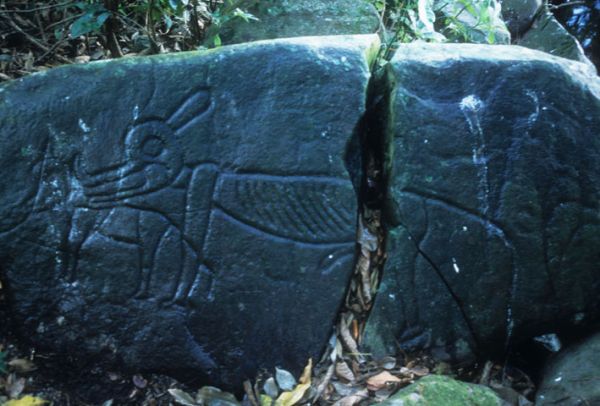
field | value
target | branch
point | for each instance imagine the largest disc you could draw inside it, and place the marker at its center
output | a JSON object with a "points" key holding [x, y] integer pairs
{"points": [[34, 41]]}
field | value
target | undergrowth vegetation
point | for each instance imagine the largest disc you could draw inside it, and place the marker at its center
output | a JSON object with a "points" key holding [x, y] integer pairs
{"points": [[36, 34]]}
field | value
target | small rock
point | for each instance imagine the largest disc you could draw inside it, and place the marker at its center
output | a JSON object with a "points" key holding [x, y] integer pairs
{"points": [[442, 390]]}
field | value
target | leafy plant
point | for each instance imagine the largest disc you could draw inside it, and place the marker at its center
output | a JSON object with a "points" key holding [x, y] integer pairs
{"points": [[227, 11], [437, 21], [93, 17], [471, 20]]}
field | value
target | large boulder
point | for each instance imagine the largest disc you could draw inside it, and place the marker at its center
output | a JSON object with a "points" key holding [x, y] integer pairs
{"points": [[520, 14], [573, 377], [191, 213], [494, 193], [293, 18], [548, 35]]}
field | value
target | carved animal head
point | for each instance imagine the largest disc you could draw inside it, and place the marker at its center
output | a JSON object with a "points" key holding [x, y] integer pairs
{"points": [[147, 158]]}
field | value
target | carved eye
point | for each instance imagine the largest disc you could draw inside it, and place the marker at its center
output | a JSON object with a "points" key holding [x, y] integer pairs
{"points": [[153, 146], [149, 141]]}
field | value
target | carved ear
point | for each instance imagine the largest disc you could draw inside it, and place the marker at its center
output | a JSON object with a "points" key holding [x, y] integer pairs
{"points": [[191, 110]]}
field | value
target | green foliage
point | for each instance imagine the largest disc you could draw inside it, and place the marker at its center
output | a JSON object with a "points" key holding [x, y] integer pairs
{"points": [[227, 11], [93, 17], [163, 15], [470, 20], [437, 21]]}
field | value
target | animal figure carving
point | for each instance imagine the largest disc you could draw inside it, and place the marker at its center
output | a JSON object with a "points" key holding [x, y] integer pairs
{"points": [[152, 212]]}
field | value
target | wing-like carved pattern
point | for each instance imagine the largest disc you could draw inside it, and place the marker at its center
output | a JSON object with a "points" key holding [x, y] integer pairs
{"points": [[301, 208]]}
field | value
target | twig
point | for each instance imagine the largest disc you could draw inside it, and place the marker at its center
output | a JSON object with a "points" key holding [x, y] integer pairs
{"points": [[573, 3], [31, 10], [111, 27], [34, 41]]}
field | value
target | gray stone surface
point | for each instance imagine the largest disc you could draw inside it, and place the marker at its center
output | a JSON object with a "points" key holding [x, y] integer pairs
{"points": [[494, 200], [548, 35], [519, 15], [573, 377], [293, 18], [191, 213]]}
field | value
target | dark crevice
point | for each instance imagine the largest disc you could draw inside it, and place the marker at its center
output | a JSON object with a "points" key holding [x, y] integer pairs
{"points": [[375, 134]]}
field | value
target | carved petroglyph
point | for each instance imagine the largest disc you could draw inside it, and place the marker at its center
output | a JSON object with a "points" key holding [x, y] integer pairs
{"points": [[152, 211]]}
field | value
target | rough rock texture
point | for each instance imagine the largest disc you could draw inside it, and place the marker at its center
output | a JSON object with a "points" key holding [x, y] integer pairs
{"points": [[519, 15], [437, 390], [494, 200], [293, 18], [185, 212], [548, 35], [472, 18], [573, 377]]}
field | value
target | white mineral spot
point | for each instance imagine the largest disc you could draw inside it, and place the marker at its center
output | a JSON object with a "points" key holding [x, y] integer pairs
{"points": [[136, 112], [550, 341], [41, 328], [330, 256], [66, 97], [426, 141], [83, 126], [471, 102], [558, 379], [455, 265], [470, 106], [343, 59], [536, 113], [465, 228], [392, 296], [60, 320]]}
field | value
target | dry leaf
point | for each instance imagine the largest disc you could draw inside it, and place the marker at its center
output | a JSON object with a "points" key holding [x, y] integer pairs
{"points": [[342, 370], [270, 388], [14, 386], [182, 397], [381, 380], [22, 365], [209, 395], [420, 370], [347, 337], [324, 383], [353, 399], [266, 400], [250, 393], [291, 398], [305, 377], [26, 401], [285, 379], [139, 381], [388, 363]]}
